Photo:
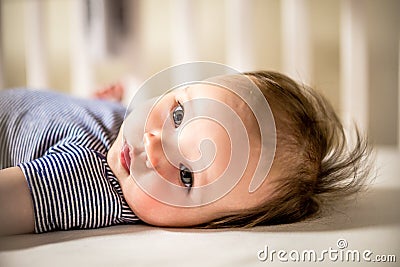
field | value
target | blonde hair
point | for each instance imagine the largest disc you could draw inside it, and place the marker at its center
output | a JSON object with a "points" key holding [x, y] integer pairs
{"points": [[317, 165]]}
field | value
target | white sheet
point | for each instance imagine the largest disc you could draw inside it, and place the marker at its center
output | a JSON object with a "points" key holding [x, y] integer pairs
{"points": [[371, 223]]}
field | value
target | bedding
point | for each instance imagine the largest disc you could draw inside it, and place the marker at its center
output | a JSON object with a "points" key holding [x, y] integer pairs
{"points": [[367, 227]]}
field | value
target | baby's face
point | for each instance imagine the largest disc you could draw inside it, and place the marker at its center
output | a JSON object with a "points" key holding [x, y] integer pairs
{"points": [[170, 107]]}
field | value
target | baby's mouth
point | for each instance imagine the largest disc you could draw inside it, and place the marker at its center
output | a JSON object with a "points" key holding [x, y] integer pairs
{"points": [[126, 157], [129, 155]]}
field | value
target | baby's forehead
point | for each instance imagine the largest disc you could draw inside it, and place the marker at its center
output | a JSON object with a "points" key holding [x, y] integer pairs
{"points": [[226, 96]]}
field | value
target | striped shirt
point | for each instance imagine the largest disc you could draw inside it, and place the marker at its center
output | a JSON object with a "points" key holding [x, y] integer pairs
{"points": [[60, 143]]}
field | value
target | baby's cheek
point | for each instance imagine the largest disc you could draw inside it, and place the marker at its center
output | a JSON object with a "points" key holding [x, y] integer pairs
{"points": [[165, 170], [157, 213]]}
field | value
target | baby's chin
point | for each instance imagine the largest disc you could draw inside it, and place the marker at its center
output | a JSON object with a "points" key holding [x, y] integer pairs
{"points": [[148, 209], [140, 203]]}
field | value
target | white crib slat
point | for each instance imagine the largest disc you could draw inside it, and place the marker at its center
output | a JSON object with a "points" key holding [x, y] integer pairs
{"points": [[82, 76], [183, 31], [36, 56], [239, 37], [354, 64], [296, 40]]}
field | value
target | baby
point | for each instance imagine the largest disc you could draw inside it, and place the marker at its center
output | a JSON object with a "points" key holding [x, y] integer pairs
{"points": [[67, 163]]}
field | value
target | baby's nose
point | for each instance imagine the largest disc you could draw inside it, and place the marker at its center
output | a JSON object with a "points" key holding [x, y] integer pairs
{"points": [[151, 142]]}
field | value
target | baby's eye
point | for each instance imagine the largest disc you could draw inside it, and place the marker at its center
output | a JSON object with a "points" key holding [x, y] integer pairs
{"points": [[177, 115], [186, 176]]}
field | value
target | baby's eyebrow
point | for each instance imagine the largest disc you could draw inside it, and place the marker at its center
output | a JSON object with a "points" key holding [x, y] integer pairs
{"points": [[184, 95]]}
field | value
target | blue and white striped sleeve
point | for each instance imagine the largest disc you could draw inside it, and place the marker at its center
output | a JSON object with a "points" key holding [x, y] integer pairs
{"points": [[75, 189]]}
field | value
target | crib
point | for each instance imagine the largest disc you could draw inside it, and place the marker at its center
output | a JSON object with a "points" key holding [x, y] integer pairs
{"points": [[348, 49]]}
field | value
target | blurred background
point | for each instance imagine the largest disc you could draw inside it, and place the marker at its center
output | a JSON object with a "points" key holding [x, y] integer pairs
{"points": [[348, 49]]}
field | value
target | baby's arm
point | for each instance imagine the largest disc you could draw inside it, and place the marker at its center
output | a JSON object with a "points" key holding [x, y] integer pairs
{"points": [[16, 208]]}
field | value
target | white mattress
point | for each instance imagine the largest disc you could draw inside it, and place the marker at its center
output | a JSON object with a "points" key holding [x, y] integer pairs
{"points": [[370, 223]]}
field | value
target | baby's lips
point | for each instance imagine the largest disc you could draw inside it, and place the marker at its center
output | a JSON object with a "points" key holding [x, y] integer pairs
{"points": [[126, 157], [132, 154]]}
